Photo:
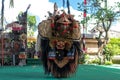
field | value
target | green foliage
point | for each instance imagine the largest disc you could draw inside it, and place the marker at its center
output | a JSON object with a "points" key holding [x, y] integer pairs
{"points": [[115, 41], [85, 20], [111, 49], [118, 4], [31, 20], [114, 46], [95, 61], [108, 63], [30, 44], [105, 14], [116, 61], [84, 58]]}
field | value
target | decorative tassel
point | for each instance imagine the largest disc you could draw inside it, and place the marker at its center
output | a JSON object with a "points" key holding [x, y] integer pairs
{"points": [[85, 2], [84, 13]]}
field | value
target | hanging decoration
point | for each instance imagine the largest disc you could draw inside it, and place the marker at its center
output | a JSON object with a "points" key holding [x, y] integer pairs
{"points": [[84, 26]]}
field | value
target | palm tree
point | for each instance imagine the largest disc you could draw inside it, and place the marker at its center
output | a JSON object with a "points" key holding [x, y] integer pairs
{"points": [[2, 11]]}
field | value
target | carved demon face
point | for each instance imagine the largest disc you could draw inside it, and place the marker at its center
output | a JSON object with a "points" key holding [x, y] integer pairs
{"points": [[60, 45]]}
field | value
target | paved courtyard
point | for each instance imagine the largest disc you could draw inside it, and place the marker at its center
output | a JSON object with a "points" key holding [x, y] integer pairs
{"points": [[84, 72]]}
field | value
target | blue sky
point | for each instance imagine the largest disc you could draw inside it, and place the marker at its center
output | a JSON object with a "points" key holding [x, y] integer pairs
{"points": [[73, 3]]}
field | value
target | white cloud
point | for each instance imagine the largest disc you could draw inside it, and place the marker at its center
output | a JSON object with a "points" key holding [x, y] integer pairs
{"points": [[38, 8], [112, 2], [116, 26]]}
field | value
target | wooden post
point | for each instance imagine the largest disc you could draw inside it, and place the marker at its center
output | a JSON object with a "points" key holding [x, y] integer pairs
{"points": [[2, 38]]}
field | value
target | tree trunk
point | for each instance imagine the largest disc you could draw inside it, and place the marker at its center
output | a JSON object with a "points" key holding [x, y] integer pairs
{"points": [[2, 14], [100, 47]]}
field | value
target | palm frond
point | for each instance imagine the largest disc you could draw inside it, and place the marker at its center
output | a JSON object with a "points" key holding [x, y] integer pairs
{"points": [[11, 4]]}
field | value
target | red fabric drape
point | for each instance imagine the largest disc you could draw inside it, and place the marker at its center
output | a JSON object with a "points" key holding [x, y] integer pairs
{"points": [[85, 2]]}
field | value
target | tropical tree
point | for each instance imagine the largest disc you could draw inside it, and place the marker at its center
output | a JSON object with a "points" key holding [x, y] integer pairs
{"points": [[31, 19], [103, 16]]}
